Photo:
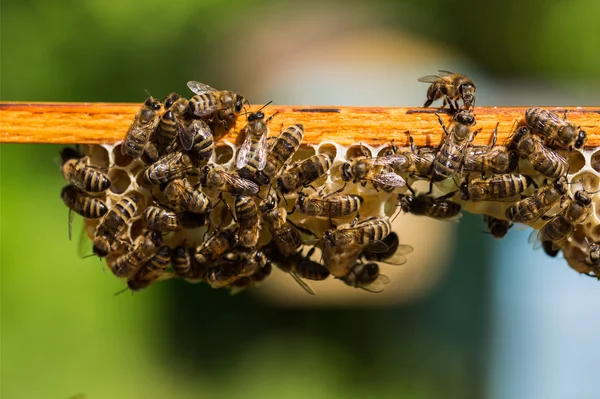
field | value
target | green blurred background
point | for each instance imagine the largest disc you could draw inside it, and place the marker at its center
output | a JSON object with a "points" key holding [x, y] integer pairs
{"points": [[63, 331]]}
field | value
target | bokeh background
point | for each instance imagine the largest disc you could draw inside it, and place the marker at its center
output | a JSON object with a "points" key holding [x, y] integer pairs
{"points": [[500, 321]]}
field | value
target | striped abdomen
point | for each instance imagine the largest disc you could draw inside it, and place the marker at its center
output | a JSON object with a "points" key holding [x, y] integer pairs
{"points": [[166, 131], [87, 178], [203, 139], [158, 219], [246, 212], [448, 161], [118, 216], [283, 149], [83, 204]]}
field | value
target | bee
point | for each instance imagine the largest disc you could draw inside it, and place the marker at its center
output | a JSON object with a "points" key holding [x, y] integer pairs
{"points": [[112, 225], [144, 248], [303, 173], [333, 205], [557, 130], [498, 228], [452, 151], [365, 276], [144, 124], [203, 140], [209, 101], [417, 163], [395, 254], [281, 151], [363, 169], [440, 208], [285, 235], [163, 139], [178, 106], [246, 212], [214, 247], [530, 209], [593, 260], [79, 174], [181, 261], [252, 156], [259, 276], [544, 160], [484, 159], [214, 177], [496, 188], [180, 193], [560, 227], [451, 86], [79, 202], [172, 166], [234, 266], [152, 271], [159, 219]]}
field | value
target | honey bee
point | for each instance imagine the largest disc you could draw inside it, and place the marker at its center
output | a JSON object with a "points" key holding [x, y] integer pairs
{"points": [[302, 173], [159, 219], [376, 170], [440, 208], [593, 260], [365, 276], [79, 202], [544, 160], [332, 205], [560, 227], [214, 177], [172, 166], [215, 246], [496, 188], [112, 225], [252, 156], [79, 174], [452, 151], [417, 163], [451, 86], [282, 150], [549, 249], [152, 271], [178, 106], [530, 209], [484, 159], [181, 261], [498, 228], [559, 131], [246, 212], [234, 266], [259, 276], [209, 101], [285, 235], [144, 248], [202, 138], [144, 124], [181, 194], [163, 139]]}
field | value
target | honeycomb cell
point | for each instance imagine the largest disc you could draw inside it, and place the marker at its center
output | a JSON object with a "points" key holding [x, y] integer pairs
{"points": [[119, 180], [121, 159], [576, 161], [585, 180], [596, 161], [357, 151], [139, 179], [223, 154], [137, 228], [328, 149], [99, 156], [303, 152]]}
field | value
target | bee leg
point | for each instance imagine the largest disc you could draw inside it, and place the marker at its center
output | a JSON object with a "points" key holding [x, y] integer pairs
{"points": [[302, 229], [430, 187], [442, 124], [412, 142], [495, 135]]}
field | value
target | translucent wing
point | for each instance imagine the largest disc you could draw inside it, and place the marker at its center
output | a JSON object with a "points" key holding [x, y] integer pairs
{"points": [[430, 79], [377, 285], [244, 152], [186, 136], [70, 220], [399, 257], [244, 186], [390, 180], [389, 160], [302, 283], [445, 73], [376, 247], [199, 88], [533, 239], [262, 151]]}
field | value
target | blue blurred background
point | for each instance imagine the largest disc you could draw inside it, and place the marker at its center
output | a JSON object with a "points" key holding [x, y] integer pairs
{"points": [[499, 321]]}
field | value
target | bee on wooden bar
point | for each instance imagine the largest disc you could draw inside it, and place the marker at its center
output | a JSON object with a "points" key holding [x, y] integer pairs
{"points": [[214, 177], [159, 219], [282, 150], [376, 170], [498, 228], [416, 163], [530, 209], [144, 248], [487, 159], [152, 271], [85, 177], [452, 151], [183, 195], [209, 101], [559, 131], [144, 124], [496, 188], [544, 160], [333, 205], [246, 212], [252, 156], [112, 225], [303, 173], [172, 166], [79, 202], [440, 208], [451, 86]]}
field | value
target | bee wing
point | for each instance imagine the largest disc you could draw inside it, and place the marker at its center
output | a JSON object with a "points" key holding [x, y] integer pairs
{"points": [[247, 186], [302, 283], [378, 285], [445, 73], [389, 179], [399, 257], [70, 220], [388, 160], [244, 152], [376, 247], [199, 88], [262, 151], [429, 79], [186, 136]]}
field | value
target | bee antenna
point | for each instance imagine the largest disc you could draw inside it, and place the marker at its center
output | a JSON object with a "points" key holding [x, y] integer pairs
{"points": [[261, 108], [88, 256], [121, 291], [148, 93]]}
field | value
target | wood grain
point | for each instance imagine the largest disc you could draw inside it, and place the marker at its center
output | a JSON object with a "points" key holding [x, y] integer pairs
{"points": [[93, 123]]}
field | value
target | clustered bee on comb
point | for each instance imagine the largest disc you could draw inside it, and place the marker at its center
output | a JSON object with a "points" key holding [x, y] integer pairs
{"points": [[171, 201]]}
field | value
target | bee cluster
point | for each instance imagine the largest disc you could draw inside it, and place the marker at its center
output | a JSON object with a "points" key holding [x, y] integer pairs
{"points": [[167, 202]]}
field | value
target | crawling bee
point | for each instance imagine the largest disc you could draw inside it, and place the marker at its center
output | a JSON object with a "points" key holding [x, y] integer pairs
{"points": [[258, 277], [416, 163], [152, 271], [285, 235], [498, 228], [246, 212], [112, 225], [333, 205], [376, 170], [559, 131], [451, 154], [303, 173], [144, 248], [209, 101], [85, 177], [202, 138], [144, 124], [365, 276], [544, 160], [214, 177], [215, 246], [159, 219], [79, 202], [181, 261], [530, 209], [451, 86], [181, 194], [252, 156], [286, 144], [593, 259], [484, 159], [172, 166], [234, 266], [440, 208], [496, 188], [560, 227]]}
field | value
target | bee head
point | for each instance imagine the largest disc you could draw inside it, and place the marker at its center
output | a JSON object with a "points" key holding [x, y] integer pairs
{"points": [[367, 273], [561, 186], [467, 92], [520, 134], [581, 139], [582, 197], [268, 204], [346, 172], [239, 103], [405, 202], [513, 161], [328, 237], [152, 103], [169, 115], [171, 99], [549, 249], [101, 247], [465, 118], [261, 178], [204, 174], [255, 116], [464, 191], [179, 253]]}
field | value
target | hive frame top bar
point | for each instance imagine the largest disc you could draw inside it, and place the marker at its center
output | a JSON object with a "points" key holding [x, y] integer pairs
{"points": [[107, 123]]}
